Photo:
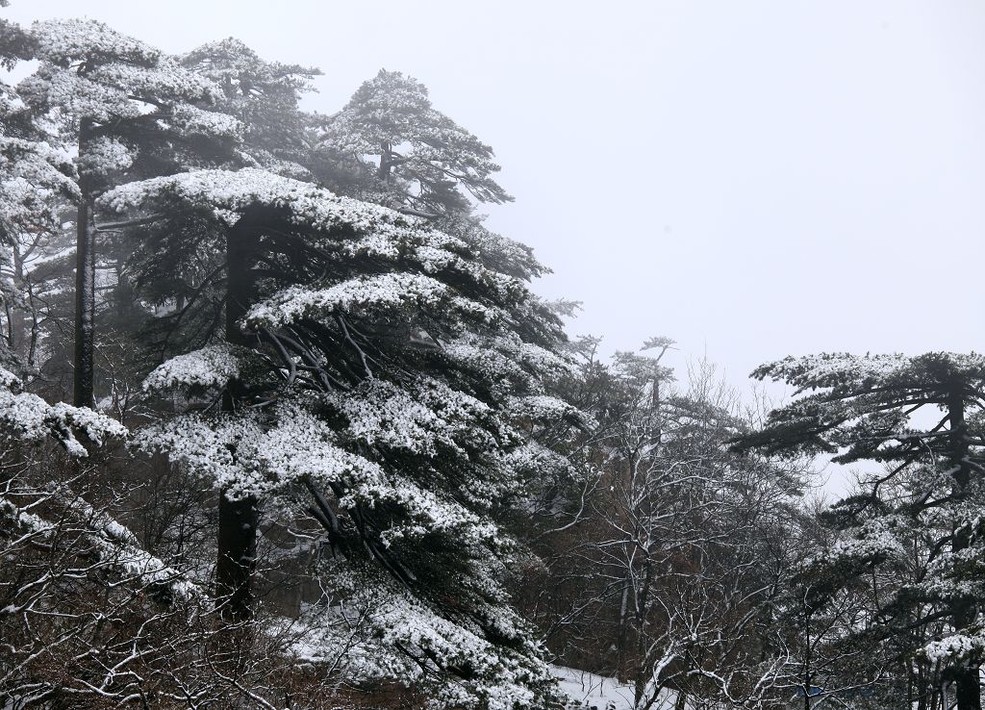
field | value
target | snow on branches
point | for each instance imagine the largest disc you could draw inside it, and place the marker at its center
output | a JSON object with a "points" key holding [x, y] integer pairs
{"points": [[213, 366], [279, 452], [381, 292], [419, 155], [377, 381], [229, 192], [956, 648], [67, 42], [420, 417], [90, 49], [394, 381], [860, 407], [105, 155], [27, 417], [349, 228], [34, 177], [361, 636], [108, 95], [914, 525]]}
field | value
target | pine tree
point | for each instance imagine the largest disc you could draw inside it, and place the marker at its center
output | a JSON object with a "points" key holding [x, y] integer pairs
{"points": [[408, 154], [36, 179], [264, 96], [15, 46], [375, 370], [126, 110], [873, 408]]}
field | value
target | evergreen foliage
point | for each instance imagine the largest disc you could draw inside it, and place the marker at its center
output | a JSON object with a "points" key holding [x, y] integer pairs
{"points": [[363, 467], [412, 156], [377, 377], [917, 524]]}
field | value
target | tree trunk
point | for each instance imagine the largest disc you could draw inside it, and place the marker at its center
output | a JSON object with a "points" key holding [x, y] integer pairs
{"points": [[386, 162], [85, 286], [238, 519], [237, 542], [622, 632], [919, 689], [808, 679], [963, 611]]}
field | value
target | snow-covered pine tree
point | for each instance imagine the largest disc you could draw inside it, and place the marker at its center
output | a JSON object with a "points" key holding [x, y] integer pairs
{"points": [[409, 154], [375, 371], [26, 418], [35, 180], [35, 184], [920, 417], [15, 44], [264, 96], [125, 110]]}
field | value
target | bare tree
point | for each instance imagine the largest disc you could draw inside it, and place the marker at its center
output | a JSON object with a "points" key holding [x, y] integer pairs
{"points": [[673, 558]]}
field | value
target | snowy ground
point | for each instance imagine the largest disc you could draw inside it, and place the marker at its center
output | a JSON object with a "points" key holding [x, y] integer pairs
{"points": [[594, 691]]}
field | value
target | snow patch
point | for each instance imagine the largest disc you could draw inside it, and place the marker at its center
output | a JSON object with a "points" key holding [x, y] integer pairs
{"points": [[588, 690]]}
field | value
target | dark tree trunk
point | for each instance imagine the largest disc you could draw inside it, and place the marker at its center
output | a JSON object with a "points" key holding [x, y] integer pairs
{"points": [[963, 611], [85, 284], [237, 541], [919, 689], [238, 519], [386, 162], [807, 660], [85, 305]]}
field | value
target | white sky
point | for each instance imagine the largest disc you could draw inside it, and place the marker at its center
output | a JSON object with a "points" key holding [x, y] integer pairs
{"points": [[753, 179]]}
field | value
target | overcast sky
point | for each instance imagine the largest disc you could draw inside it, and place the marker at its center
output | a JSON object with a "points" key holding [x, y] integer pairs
{"points": [[752, 179]]}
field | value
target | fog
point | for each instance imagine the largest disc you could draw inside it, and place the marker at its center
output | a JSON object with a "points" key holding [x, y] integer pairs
{"points": [[266, 445], [751, 179]]}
